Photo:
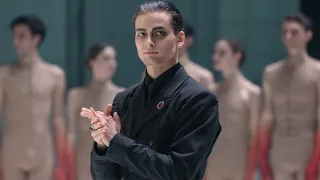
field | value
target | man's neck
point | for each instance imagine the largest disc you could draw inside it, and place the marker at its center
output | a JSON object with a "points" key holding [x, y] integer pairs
{"points": [[30, 59], [155, 71], [184, 58], [100, 84], [297, 58], [231, 76]]}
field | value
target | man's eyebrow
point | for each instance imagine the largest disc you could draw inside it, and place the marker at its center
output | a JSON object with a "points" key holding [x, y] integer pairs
{"points": [[157, 28], [140, 29], [153, 29]]}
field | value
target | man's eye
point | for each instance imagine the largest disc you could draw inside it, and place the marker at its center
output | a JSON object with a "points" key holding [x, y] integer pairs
{"points": [[141, 34], [161, 33]]}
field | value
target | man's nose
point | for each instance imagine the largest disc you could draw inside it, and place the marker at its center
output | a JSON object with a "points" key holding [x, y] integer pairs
{"points": [[150, 42]]}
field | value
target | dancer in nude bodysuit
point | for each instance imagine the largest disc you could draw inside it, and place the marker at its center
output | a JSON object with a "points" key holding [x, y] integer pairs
{"points": [[235, 153], [31, 91], [291, 108], [97, 94]]}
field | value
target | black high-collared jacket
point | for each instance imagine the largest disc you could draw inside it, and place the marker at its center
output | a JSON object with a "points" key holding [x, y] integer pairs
{"points": [[168, 128]]}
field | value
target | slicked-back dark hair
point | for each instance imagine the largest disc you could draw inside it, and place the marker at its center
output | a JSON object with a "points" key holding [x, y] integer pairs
{"points": [[162, 6]]}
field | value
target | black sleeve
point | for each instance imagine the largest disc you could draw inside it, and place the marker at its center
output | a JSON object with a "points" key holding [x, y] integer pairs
{"points": [[198, 130], [102, 168]]}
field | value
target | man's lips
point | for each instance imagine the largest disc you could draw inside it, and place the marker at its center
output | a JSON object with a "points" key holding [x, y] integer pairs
{"points": [[150, 53]]}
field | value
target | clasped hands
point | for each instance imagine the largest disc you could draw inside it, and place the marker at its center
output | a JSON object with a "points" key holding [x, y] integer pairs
{"points": [[105, 127]]}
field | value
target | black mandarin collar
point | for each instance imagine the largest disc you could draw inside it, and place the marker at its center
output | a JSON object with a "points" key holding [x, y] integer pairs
{"points": [[153, 86]]}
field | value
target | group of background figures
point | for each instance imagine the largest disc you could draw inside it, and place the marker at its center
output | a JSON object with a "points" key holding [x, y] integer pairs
{"points": [[274, 128]]}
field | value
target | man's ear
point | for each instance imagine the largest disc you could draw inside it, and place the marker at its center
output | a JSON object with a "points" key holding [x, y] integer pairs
{"points": [[181, 38], [309, 35]]}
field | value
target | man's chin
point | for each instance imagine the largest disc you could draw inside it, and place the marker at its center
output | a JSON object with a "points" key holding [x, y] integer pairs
{"points": [[20, 54], [149, 61]]}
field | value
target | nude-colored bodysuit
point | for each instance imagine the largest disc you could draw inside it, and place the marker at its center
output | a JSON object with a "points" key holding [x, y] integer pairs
{"points": [[293, 104], [238, 112], [28, 98], [97, 96]]}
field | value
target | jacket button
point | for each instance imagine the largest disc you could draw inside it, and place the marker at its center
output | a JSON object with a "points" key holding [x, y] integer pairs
{"points": [[151, 143]]}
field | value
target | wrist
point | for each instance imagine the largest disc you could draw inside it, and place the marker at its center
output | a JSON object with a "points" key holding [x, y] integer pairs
{"points": [[100, 149], [101, 146]]}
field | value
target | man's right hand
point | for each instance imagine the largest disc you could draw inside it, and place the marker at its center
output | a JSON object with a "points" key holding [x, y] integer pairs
{"points": [[96, 134], [96, 117]]}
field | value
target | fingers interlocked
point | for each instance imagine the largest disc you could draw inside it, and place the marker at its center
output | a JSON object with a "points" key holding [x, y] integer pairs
{"points": [[99, 121], [100, 124], [95, 124]]}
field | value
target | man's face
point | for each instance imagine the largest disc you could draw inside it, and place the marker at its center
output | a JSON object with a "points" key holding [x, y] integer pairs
{"points": [[155, 39], [295, 37], [23, 40], [223, 58], [105, 64]]}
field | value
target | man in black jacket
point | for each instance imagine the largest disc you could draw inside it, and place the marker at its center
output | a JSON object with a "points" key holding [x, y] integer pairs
{"points": [[169, 122]]}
